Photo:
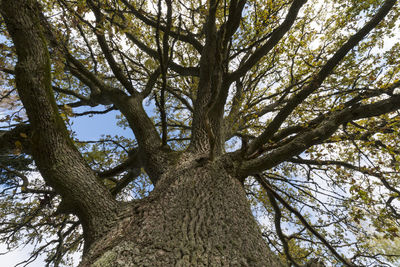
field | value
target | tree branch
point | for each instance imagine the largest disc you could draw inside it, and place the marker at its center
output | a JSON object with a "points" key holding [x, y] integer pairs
{"points": [[320, 77], [175, 34], [348, 166], [70, 176], [318, 134], [277, 220], [274, 39], [116, 69], [264, 183]]}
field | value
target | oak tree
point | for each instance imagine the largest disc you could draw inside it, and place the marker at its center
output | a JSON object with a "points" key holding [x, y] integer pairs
{"points": [[266, 133]]}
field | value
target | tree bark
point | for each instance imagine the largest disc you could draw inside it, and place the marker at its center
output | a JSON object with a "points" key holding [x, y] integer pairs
{"points": [[197, 215], [55, 155]]}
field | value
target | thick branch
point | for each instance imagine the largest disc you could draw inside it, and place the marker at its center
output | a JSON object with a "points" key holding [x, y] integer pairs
{"points": [[320, 77], [150, 83], [59, 162], [276, 36], [348, 166], [318, 134], [131, 106], [116, 69]]}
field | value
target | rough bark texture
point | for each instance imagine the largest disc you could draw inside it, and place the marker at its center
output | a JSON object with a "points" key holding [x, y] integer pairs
{"points": [[197, 215], [59, 162]]}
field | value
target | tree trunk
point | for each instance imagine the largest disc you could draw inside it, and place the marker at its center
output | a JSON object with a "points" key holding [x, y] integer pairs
{"points": [[197, 215]]}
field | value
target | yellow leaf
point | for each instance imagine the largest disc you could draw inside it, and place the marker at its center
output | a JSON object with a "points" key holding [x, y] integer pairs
{"points": [[18, 144], [18, 147], [68, 110]]}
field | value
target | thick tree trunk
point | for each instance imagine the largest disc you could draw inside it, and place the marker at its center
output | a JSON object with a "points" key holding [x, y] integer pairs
{"points": [[59, 162], [197, 215]]}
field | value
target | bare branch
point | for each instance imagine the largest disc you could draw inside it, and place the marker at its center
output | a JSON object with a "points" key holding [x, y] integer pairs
{"points": [[188, 38], [264, 183], [277, 220]]}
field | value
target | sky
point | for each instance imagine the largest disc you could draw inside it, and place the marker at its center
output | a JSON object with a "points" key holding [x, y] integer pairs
{"points": [[91, 128], [16, 256]]}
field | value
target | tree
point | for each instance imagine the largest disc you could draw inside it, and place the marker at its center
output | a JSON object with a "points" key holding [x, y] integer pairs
{"points": [[305, 89]]}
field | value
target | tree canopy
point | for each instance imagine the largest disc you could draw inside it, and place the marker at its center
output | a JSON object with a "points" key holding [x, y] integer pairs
{"points": [[302, 96]]}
